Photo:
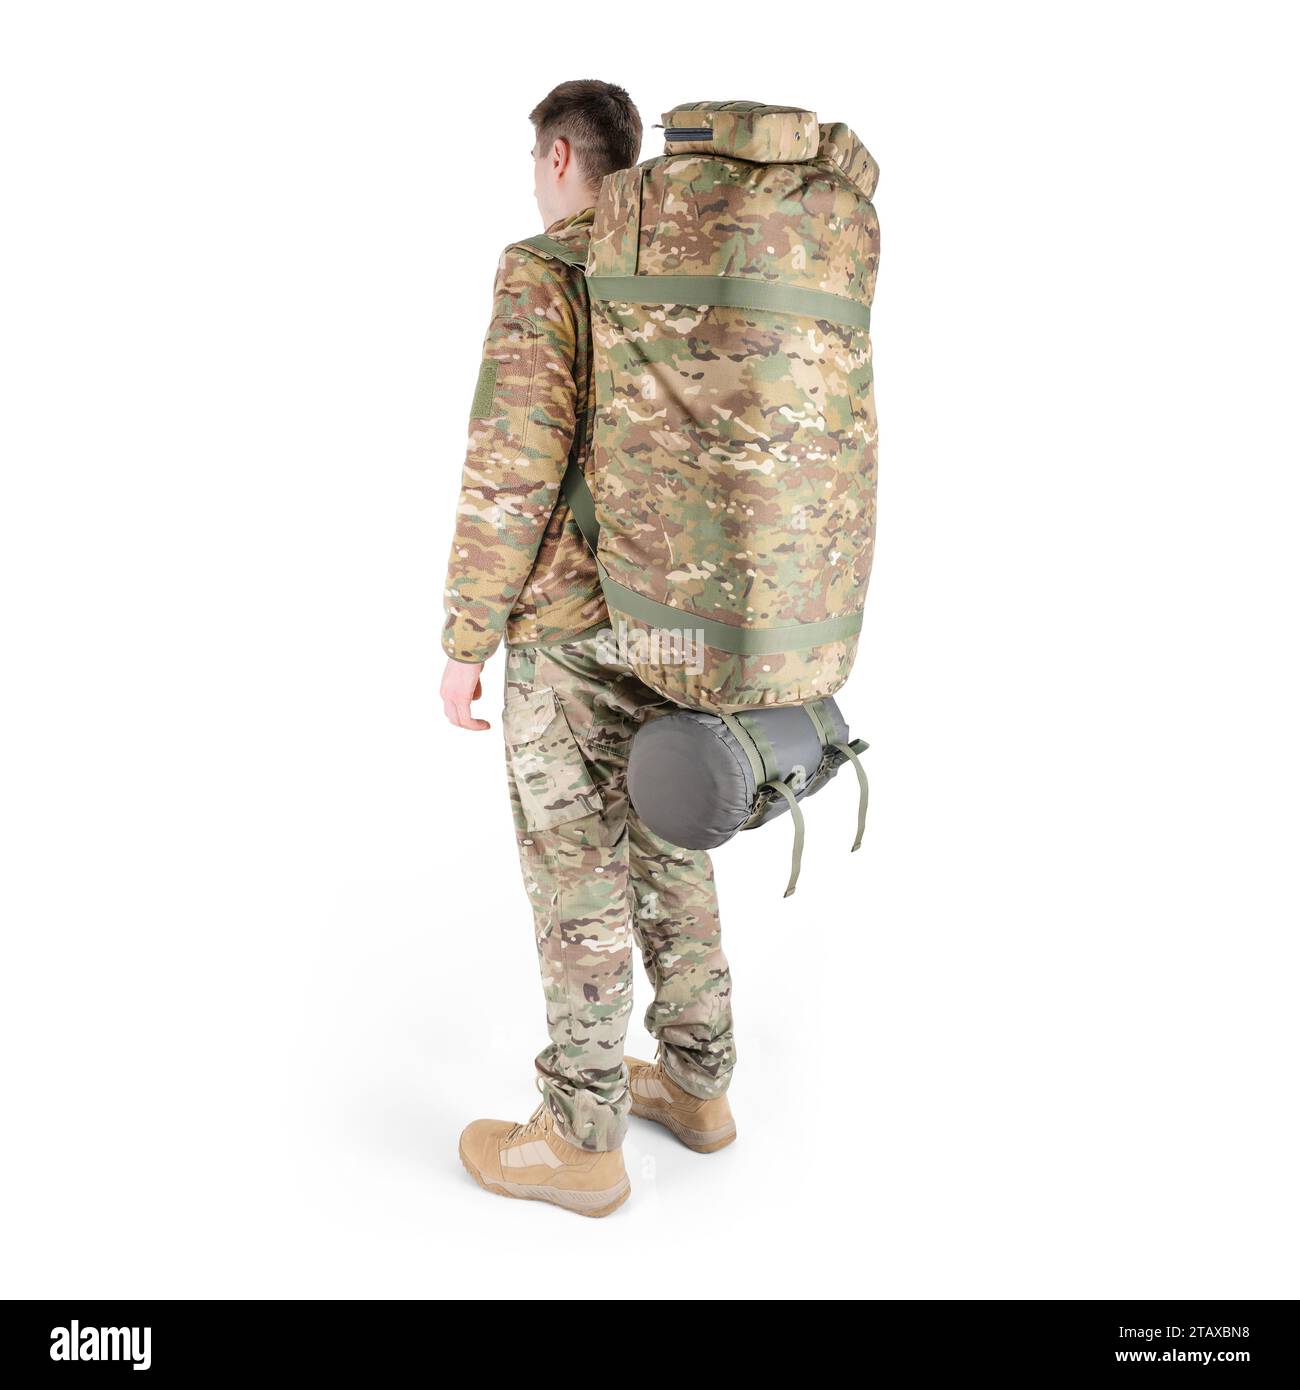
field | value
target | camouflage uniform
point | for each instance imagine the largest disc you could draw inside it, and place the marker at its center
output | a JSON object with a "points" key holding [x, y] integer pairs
{"points": [[596, 877], [519, 565], [589, 865]]}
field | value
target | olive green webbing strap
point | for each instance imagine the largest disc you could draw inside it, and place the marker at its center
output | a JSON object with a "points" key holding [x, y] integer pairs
{"points": [[749, 747], [557, 251], [741, 641], [797, 857], [731, 291], [723, 637], [825, 735], [851, 751], [582, 504]]}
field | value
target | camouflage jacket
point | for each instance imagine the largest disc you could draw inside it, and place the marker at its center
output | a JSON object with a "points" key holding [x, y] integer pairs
{"points": [[519, 565]]}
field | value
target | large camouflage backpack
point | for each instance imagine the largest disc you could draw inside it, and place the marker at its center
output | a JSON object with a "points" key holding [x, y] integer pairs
{"points": [[735, 433], [734, 472]]}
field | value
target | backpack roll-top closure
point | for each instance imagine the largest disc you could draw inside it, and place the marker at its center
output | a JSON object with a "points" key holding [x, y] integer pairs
{"points": [[840, 149], [743, 130]]}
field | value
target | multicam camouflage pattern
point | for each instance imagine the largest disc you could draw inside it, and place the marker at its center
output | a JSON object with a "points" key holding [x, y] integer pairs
{"points": [[553, 785], [735, 449], [745, 129], [598, 880], [837, 145], [518, 563]]}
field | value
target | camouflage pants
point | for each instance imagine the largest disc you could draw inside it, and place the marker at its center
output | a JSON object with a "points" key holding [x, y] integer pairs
{"points": [[598, 879]]}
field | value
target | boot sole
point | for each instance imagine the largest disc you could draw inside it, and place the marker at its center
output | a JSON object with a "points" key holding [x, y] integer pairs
{"points": [[583, 1203], [700, 1141]]}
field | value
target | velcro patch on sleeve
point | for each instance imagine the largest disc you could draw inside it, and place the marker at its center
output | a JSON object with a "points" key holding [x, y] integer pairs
{"points": [[485, 391]]}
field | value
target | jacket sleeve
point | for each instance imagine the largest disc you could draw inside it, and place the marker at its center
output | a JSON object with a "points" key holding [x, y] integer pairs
{"points": [[521, 427]]}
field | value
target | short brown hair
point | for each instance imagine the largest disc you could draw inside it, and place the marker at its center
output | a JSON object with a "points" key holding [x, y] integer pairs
{"points": [[598, 120]]}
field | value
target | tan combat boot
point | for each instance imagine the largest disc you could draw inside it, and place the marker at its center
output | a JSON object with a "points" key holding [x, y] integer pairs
{"points": [[532, 1161], [702, 1125]]}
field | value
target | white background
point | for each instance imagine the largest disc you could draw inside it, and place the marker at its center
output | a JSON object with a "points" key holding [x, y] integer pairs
{"points": [[265, 947]]}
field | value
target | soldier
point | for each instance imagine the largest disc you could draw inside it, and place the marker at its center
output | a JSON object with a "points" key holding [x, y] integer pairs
{"points": [[596, 877]]}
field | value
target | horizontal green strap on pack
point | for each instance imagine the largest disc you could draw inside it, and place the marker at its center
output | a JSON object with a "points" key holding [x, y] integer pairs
{"points": [[731, 291], [740, 641], [557, 251]]}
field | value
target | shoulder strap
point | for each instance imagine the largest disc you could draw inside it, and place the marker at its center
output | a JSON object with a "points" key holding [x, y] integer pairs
{"points": [[582, 504], [574, 484], [556, 251]]}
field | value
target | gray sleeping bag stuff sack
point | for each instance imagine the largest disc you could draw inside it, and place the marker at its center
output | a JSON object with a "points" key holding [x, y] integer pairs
{"points": [[696, 779]]}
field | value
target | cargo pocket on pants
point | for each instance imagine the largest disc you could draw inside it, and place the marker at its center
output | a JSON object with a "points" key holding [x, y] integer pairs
{"points": [[550, 772]]}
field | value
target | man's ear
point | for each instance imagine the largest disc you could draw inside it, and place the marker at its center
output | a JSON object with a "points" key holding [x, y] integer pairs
{"points": [[561, 157]]}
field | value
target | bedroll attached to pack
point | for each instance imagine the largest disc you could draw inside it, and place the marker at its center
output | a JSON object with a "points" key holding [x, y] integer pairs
{"points": [[735, 429], [697, 779]]}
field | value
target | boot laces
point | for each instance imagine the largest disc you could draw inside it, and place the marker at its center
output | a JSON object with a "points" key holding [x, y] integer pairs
{"points": [[533, 1126], [657, 1068]]}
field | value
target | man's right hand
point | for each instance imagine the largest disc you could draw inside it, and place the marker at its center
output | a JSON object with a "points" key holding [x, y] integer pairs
{"points": [[461, 686]]}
